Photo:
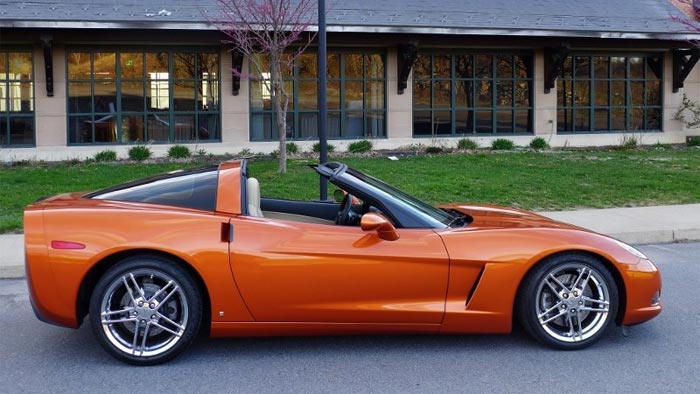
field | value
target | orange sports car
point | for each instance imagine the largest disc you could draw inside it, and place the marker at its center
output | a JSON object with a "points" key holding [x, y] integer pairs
{"points": [[154, 261]]}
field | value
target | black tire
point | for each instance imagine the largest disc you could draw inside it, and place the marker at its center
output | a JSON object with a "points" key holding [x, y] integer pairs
{"points": [[568, 301], [152, 310]]}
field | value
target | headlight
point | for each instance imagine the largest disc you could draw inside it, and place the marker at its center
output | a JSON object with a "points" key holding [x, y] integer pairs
{"points": [[632, 250]]}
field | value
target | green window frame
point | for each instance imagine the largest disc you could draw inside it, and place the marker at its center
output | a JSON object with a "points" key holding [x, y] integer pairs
{"points": [[468, 93], [17, 116], [356, 98], [610, 92], [136, 95]]}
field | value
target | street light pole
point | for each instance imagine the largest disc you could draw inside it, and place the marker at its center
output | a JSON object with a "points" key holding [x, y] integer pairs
{"points": [[322, 109]]}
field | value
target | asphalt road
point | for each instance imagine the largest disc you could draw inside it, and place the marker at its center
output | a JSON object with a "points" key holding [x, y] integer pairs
{"points": [[662, 355]]}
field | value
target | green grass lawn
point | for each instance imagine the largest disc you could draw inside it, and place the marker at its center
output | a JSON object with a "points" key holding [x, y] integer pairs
{"points": [[530, 180]]}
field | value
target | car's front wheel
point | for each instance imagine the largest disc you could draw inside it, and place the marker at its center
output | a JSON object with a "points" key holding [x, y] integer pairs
{"points": [[568, 301], [145, 310]]}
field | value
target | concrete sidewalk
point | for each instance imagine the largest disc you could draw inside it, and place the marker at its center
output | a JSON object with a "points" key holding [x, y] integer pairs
{"points": [[662, 224]]}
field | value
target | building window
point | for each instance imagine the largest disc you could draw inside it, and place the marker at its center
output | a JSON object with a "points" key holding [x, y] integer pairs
{"points": [[16, 98], [355, 98], [132, 96], [604, 93], [472, 93]]}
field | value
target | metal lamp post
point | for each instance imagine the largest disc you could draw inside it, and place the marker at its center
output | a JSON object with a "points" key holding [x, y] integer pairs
{"points": [[322, 109]]}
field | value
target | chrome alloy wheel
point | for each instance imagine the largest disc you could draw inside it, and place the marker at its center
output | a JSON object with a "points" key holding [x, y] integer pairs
{"points": [[144, 312], [572, 302]]}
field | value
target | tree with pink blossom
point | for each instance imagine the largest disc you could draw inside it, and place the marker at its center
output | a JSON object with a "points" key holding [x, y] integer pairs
{"points": [[271, 34]]}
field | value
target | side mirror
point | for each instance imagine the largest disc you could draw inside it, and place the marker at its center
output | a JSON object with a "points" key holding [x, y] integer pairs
{"points": [[375, 222]]}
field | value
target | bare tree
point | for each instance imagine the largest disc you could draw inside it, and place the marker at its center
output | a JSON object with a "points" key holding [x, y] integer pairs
{"points": [[263, 31], [692, 9]]}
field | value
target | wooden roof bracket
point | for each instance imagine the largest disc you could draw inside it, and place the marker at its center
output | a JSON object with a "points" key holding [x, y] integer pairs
{"points": [[406, 57], [553, 61], [683, 62], [47, 45], [236, 69]]}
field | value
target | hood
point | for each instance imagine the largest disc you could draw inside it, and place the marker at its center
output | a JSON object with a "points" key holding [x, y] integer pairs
{"points": [[492, 216]]}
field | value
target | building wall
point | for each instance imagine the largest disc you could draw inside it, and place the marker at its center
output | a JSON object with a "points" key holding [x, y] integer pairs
{"points": [[51, 136]]}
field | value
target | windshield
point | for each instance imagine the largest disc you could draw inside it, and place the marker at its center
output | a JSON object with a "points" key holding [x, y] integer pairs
{"points": [[428, 211]]}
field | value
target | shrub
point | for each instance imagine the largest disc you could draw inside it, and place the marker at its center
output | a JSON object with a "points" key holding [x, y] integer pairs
{"points": [[179, 152], [433, 149], [538, 143], [467, 144], [692, 141], [629, 142], [201, 152], [292, 148], [360, 146], [317, 147], [502, 144], [106, 155], [140, 153]]}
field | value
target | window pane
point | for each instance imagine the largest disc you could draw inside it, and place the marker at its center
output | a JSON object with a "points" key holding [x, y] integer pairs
{"points": [[79, 129], [504, 121], [653, 119], [375, 95], [522, 94], [464, 93], [353, 125], [158, 127], [582, 66], [333, 64], [333, 95], [601, 120], [636, 67], [565, 93], [421, 68], [131, 65], [650, 72], [484, 122], [484, 97], [184, 99], [16, 97], [353, 66], [442, 123], [442, 94], [522, 122], [183, 65], [308, 65], [333, 125], [158, 91], [208, 94], [582, 121], [602, 93], [132, 128], [184, 128], [79, 97], [504, 67], [441, 66], [374, 66], [308, 95], [132, 96], [565, 120], [207, 65], [523, 66], [105, 65], [260, 96], [79, 65], [157, 63], [583, 93], [617, 65], [636, 119], [21, 131], [653, 93], [20, 65], [261, 127], [421, 94], [464, 122], [464, 67], [308, 126], [106, 97], [618, 119], [637, 92], [504, 96], [422, 122], [353, 95], [483, 67], [567, 67], [601, 67], [618, 93], [374, 125], [208, 127]]}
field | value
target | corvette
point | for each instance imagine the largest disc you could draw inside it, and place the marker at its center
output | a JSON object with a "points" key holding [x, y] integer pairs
{"points": [[153, 262]]}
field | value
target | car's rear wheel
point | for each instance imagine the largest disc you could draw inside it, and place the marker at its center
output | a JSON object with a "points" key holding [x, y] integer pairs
{"points": [[145, 310], [568, 301]]}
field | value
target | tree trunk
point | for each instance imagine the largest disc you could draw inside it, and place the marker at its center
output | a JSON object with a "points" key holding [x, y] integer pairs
{"points": [[280, 101]]}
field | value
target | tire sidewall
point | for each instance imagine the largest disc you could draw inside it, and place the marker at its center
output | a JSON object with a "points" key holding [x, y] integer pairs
{"points": [[149, 262]]}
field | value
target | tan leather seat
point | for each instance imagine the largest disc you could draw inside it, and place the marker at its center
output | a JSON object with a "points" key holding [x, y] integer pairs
{"points": [[253, 195]]}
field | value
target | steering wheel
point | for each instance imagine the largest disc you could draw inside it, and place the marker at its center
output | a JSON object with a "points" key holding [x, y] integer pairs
{"points": [[345, 214]]}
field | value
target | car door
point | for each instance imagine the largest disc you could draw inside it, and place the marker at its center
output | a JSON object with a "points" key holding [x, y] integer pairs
{"points": [[306, 272]]}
